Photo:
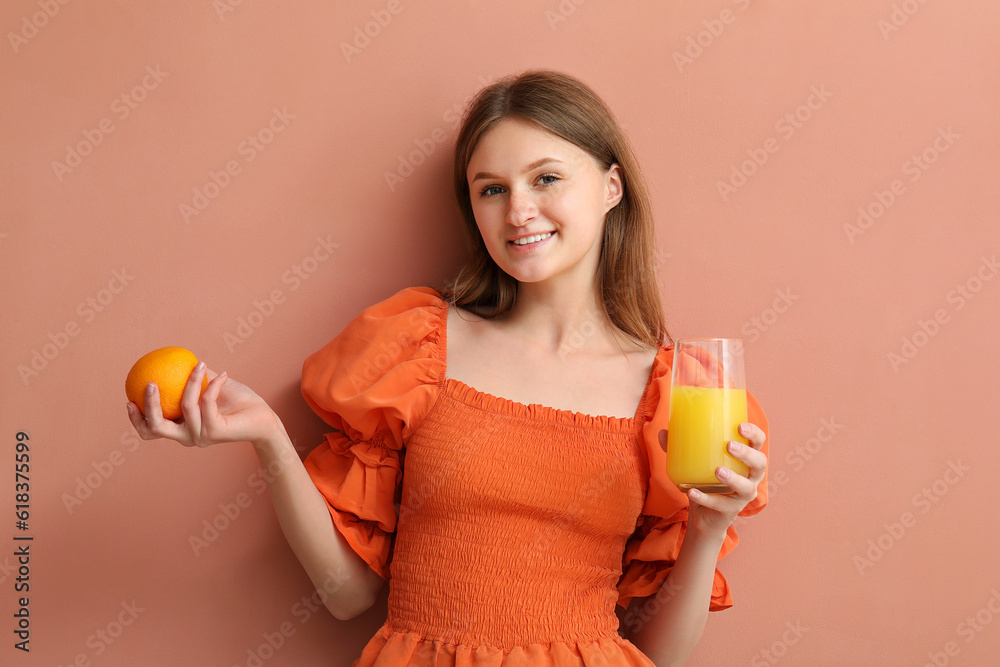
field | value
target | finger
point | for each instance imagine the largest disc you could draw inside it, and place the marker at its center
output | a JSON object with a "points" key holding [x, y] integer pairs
{"points": [[754, 434], [755, 459], [746, 453], [189, 400], [210, 418], [139, 422], [720, 502], [157, 425], [742, 486]]}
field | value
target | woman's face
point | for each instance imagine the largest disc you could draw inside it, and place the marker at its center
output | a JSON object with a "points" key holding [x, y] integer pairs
{"points": [[540, 201]]}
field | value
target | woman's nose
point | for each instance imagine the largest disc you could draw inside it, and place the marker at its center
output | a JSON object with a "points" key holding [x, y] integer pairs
{"points": [[520, 208]]}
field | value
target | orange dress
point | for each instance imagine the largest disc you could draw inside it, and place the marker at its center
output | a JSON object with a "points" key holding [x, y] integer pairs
{"points": [[507, 532]]}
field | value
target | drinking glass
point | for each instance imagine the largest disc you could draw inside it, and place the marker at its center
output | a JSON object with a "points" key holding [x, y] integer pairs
{"points": [[708, 402]]}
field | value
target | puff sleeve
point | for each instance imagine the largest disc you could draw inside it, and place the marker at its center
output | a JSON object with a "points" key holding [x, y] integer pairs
{"points": [[373, 383], [653, 548]]}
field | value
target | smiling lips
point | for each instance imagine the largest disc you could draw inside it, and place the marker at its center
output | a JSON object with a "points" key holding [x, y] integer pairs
{"points": [[525, 240]]}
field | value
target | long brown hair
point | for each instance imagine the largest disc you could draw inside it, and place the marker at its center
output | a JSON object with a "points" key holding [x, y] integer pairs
{"points": [[572, 111]]}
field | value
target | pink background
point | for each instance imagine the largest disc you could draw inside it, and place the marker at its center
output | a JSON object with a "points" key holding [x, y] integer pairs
{"points": [[877, 545]]}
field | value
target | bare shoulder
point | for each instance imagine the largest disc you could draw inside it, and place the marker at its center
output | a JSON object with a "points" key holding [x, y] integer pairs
{"points": [[458, 315], [465, 332], [463, 324]]}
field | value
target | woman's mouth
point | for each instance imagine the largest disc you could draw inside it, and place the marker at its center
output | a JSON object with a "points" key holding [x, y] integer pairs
{"points": [[531, 242]]}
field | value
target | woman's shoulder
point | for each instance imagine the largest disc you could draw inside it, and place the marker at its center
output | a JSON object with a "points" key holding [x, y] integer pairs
{"points": [[389, 357], [410, 317], [639, 352]]}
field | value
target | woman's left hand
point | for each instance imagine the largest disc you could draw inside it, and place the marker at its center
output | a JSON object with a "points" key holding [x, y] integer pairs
{"points": [[715, 512]]}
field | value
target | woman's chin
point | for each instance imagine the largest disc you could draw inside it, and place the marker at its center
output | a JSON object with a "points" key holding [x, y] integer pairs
{"points": [[521, 273], [530, 277]]}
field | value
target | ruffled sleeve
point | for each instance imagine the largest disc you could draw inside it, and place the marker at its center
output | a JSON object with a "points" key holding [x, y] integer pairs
{"points": [[373, 383], [653, 548]]}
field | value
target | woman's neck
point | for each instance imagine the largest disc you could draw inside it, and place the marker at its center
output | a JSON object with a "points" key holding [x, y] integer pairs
{"points": [[558, 316]]}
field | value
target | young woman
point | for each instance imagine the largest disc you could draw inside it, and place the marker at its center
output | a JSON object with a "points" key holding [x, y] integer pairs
{"points": [[492, 441]]}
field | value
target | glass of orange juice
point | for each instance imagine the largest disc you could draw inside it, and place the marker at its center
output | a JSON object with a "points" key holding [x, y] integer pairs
{"points": [[708, 402]]}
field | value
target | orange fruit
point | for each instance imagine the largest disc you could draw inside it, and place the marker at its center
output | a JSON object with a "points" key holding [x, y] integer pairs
{"points": [[169, 368]]}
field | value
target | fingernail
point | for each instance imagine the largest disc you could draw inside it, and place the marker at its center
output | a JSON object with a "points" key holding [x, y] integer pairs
{"points": [[723, 473], [694, 493], [128, 406], [733, 447], [223, 374], [150, 387], [743, 429], [200, 366]]}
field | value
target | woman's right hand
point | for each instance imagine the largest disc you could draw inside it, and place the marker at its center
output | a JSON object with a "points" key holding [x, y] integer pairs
{"points": [[228, 411]]}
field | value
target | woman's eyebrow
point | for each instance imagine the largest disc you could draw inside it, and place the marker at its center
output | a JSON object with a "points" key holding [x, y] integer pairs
{"points": [[534, 165]]}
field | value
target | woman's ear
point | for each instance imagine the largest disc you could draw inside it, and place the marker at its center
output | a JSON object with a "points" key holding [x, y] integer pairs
{"points": [[614, 186]]}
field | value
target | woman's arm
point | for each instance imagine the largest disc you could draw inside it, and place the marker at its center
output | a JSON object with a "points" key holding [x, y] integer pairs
{"points": [[229, 411], [669, 637], [347, 585]]}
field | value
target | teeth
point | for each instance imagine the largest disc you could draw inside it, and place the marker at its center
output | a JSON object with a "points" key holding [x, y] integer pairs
{"points": [[532, 239]]}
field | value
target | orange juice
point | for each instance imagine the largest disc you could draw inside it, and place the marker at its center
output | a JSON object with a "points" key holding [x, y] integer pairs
{"points": [[702, 421]]}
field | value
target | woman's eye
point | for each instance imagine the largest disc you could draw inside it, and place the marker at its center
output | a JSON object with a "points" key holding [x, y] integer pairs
{"points": [[494, 190]]}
